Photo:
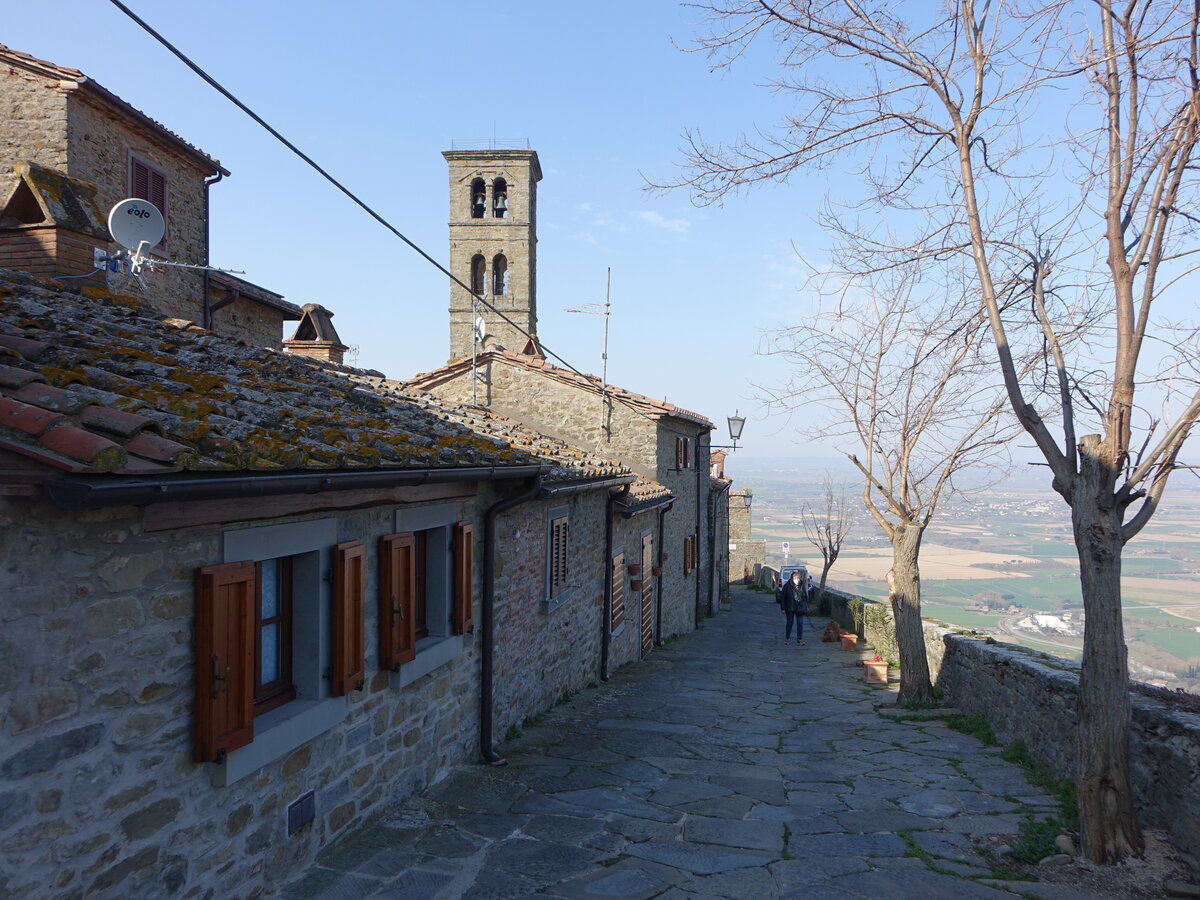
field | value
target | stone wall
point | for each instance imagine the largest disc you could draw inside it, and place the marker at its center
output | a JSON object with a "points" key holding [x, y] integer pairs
{"points": [[1033, 697], [254, 323], [33, 120], [99, 792]]}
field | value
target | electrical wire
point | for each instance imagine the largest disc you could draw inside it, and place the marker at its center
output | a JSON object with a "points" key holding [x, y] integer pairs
{"points": [[345, 190], [88, 275]]}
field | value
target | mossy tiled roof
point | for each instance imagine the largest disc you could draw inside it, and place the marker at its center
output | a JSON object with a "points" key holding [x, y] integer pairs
{"points": [[94, 383]]}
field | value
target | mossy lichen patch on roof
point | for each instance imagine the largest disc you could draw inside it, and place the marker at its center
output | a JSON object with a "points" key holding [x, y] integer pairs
{"points": [[92, 383]]}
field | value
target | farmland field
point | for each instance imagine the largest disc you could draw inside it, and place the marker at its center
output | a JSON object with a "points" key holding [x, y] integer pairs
{"points": [[992, 560]]}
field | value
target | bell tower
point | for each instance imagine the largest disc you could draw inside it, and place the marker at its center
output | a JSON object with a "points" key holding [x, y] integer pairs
{"points": [[493, 246]]}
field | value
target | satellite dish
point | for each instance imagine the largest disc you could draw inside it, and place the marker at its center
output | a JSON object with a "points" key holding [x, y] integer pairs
{"points": [[136, 223]]}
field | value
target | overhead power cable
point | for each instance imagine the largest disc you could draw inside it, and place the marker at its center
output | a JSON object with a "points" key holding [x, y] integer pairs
{"points": [[341, 187]]}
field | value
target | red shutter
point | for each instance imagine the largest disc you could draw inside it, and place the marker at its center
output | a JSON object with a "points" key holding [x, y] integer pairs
{"points": [[618, 591], [225, 604], [348, 670], [397, 597], [464, 577]]}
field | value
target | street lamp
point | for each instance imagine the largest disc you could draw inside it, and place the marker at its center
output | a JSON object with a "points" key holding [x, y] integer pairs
{"points": [[736, 423]]}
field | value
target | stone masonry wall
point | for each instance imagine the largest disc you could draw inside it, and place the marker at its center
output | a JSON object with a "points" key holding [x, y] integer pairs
{"points": [[251, 322], [33, 120], [1033, 697], [99, 793], [100, 148]]}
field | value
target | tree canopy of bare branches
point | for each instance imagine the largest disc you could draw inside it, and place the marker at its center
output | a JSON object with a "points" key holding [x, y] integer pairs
{"points": [[1051, 144], [911, 400], [826, 527]]}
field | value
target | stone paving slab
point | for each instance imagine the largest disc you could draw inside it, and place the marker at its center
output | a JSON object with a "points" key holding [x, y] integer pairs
{"points": [[705, 772]]}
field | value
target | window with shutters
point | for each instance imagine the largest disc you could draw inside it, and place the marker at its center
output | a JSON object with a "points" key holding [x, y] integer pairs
{"points": [[278, 639], [148, 182], [426, 591], [683, 453], [558, 570], [691, 554], [618, 592]]}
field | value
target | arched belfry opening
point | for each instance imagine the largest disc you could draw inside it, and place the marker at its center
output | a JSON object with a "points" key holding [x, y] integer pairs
{"points": [[478, 198], [493, 245], [478, 275], [500, 275], [500, 198]]}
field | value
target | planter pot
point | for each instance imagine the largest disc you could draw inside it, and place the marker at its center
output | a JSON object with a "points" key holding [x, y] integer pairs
{"points": [[849, 640], [876, 671]]}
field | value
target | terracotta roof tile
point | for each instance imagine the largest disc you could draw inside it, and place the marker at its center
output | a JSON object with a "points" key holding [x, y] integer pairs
{"points": [[31, 350], [138, 395], [32, 420], [85, 446], [104, 418]]}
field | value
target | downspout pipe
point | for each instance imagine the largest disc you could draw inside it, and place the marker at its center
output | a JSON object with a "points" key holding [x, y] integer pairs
{"points": [[605, 630], [701, 474], [658, 638], [207, 314], [487, 618]]}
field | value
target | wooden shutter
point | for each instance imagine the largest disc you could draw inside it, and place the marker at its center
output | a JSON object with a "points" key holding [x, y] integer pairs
{"points": [[618, 591], [147, 183], [464, 577], [559, 539], [225, 603], [397, 598], [348, 669]]}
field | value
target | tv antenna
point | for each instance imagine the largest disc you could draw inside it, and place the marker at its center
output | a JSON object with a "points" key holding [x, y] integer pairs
{"points": [[138, 226], [601, 309]]}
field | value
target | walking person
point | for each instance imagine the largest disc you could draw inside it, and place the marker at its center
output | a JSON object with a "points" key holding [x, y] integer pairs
{"points": [[794, 605]]}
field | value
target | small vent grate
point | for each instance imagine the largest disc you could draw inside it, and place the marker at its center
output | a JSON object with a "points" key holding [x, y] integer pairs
{"points": [[301, 812]]}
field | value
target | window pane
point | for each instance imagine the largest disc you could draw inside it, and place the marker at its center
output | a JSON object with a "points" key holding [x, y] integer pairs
{"points": [[270, 589], [270, 654]]}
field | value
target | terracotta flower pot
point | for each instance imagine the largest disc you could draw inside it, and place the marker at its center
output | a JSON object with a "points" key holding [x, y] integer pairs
{"points": [[849, 640], [876, 671]]}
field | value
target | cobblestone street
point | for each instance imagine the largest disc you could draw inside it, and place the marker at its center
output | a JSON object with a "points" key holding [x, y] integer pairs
{"points": [[729, 764]]}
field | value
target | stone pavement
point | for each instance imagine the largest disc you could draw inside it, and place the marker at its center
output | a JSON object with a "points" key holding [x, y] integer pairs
{"points": [[728, 764]]}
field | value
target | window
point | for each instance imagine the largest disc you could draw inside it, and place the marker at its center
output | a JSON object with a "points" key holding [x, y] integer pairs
{"points": [[478, 275], [478, 199], [146, 182], [558, 535], [618, 592], [426, 591], [273, 635], [499, 198], [500, 275], [691, 554], [278, 642], [683, 453]]}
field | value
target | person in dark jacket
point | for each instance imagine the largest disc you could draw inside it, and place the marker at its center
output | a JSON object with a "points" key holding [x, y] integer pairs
{"points": [[794, 604]]}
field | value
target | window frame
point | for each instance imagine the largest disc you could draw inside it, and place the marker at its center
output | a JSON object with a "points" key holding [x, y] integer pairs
{"points": [[683, 452], [558, 554], [282, 690]]}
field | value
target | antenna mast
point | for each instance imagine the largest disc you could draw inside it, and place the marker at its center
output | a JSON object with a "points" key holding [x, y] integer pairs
{"points": [[604, 309]]}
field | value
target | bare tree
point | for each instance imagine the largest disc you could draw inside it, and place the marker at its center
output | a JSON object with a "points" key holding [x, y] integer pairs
{"points": [[827, 528], [917, 397], [1053, 143]]}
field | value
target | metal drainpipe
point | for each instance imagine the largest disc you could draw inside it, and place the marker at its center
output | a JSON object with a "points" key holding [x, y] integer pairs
{"points": [[658, 638], [487, 618], [208, 183], [605, 632]]}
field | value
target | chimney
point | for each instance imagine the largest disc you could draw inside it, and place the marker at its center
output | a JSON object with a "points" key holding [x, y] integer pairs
{"points": [[316, 337]]}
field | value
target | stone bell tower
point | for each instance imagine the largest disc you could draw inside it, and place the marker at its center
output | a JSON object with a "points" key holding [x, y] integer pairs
{"points": [[493, 246]]}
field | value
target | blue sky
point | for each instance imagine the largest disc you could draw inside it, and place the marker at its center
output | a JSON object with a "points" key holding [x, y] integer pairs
{"points": [[375, 91]]}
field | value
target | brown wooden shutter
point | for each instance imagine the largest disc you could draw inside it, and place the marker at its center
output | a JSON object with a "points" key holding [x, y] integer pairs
{"points": [[225, 604], [397, 598], [348, 669], [618, 591], [464, 577]]}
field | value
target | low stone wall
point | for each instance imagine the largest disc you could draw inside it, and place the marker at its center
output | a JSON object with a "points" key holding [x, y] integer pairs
{"points": [[1033, 697]]}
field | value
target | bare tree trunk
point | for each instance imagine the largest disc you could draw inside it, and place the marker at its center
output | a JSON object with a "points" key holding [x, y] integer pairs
{"points": [[1109, 824], [904, 591]]}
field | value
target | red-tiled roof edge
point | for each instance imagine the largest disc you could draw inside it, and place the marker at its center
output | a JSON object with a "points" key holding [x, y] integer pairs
{"points": [[53, 70], [453, 367]]}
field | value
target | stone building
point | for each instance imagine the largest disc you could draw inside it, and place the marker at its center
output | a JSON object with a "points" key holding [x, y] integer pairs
{"points": [[745, 553], [69, 151], [250, 598], [497, 363]]}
